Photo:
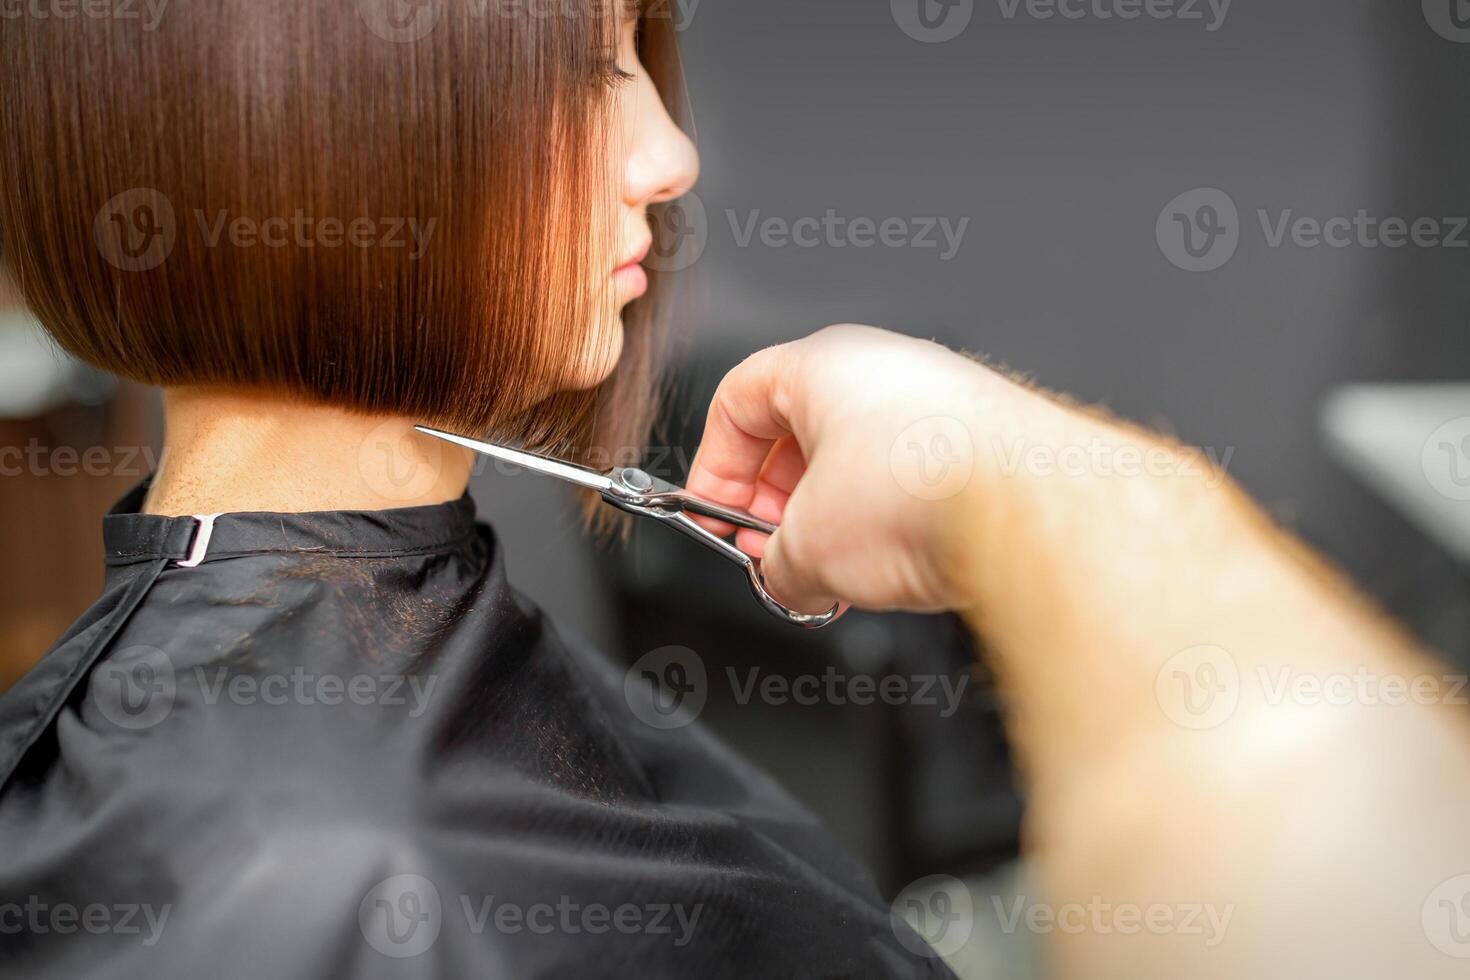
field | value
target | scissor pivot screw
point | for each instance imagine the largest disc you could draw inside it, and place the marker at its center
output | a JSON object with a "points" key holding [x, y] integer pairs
{"points": [[637, 480]]}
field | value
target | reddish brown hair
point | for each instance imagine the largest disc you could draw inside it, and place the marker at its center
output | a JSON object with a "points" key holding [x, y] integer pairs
{"points": [[486, 124]]}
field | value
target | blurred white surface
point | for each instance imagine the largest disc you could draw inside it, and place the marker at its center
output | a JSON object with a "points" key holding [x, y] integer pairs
{"points": [[1410, 444], [35, 377]]}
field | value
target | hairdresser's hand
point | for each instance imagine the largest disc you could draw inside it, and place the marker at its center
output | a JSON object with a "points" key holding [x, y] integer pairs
{"points": [[1132, 616], [877, 455]]}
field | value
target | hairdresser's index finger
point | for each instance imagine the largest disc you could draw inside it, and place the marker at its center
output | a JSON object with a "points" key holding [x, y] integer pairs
{"points": [[783, 470], [745, 419]]}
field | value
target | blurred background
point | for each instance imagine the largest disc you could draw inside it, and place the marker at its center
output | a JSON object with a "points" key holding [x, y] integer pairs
{"points": [[1093, 200]]}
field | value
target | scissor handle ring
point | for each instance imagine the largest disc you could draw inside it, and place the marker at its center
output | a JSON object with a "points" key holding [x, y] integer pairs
{"points": [[808, 621]]}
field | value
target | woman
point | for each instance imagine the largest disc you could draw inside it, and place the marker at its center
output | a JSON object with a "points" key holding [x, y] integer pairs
{"points": [[308, 728]]}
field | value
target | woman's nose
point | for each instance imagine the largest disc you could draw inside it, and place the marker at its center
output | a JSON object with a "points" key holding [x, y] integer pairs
{"points": [[663, 163]]}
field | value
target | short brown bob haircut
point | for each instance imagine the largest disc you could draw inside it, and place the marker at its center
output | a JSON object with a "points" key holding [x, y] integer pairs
{"points": [[387, 205]]}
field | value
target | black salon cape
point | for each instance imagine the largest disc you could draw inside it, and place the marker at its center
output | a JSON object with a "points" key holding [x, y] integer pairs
{"points": [[241, 769]]}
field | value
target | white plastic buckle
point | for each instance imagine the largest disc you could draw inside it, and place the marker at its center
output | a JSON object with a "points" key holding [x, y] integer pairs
{"points": [[200, 544]]}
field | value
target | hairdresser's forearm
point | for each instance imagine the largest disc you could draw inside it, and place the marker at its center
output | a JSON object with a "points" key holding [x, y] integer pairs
{"points": [[1100, 597], [1085, 584]]}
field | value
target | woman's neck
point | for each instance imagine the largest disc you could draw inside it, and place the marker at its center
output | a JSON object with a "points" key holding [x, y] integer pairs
{"points": [[234, 451]]}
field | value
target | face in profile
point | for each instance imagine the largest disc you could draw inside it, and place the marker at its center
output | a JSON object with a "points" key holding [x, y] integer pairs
{"points": [[651, 161]]}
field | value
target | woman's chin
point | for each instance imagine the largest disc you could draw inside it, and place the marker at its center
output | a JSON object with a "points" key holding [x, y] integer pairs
{"points": [[598, 366]]}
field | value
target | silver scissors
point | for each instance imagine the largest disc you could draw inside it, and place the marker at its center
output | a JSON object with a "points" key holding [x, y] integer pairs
{"points": [[633, 490]]}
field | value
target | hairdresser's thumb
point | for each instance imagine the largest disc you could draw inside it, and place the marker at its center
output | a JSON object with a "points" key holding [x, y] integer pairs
{"points": [[793, 586]]}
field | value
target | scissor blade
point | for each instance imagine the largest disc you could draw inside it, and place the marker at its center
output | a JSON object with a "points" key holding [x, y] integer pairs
{"points": [[731, 515], [570, 472]]}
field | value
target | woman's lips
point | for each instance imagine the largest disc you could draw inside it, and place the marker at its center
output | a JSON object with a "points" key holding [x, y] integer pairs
{"points": [[631, 281], [630, 277]]}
